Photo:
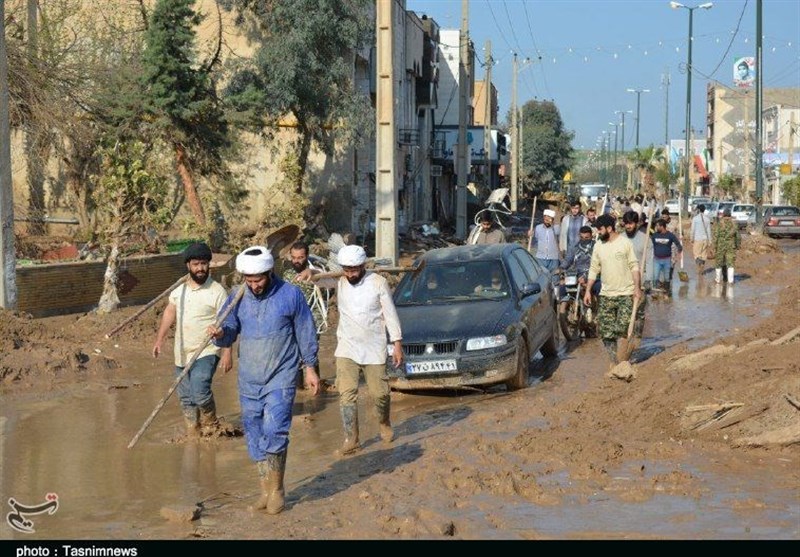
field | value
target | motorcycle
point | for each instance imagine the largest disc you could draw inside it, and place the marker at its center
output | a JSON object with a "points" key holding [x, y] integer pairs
{"points": [[574, 316]]}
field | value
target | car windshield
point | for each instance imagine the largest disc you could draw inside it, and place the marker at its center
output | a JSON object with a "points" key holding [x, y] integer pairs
{"points": [[593, 191], [743, 209], [453, 282]]}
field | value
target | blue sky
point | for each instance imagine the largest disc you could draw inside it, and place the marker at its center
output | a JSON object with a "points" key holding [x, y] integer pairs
{"points": [[593, 50]]}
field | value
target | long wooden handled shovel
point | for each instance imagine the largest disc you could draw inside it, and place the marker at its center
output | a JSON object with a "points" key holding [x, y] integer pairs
{"points": [[150, 304], [187, 367]]}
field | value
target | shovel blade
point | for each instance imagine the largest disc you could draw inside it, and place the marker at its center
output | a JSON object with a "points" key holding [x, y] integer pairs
{"points": [[625, 348]]}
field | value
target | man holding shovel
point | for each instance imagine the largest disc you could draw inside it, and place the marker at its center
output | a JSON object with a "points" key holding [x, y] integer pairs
{"points": [[194, 306], [614, 257]]}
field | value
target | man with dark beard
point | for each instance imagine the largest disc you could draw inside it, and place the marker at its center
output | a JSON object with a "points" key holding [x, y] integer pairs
{"points": [[299, 273], [194, 306], [366, 313], [613, 256], [276, 334]]}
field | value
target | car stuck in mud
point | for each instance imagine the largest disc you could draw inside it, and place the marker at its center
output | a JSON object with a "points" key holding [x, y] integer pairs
{"points": [[474, 316]]}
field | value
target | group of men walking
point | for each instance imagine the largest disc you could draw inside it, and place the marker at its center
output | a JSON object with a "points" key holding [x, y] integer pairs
{"points": [[277, 322], [277, 335]]}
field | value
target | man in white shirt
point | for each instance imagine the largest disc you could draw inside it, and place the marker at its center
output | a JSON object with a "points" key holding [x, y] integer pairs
{"points": [[701, 236], [366, 313], [194, 306]]}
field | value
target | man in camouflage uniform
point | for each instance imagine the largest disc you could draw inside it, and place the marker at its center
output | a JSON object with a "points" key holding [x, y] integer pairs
{"points": [[726, 242], [614, 257], [299, 273]]}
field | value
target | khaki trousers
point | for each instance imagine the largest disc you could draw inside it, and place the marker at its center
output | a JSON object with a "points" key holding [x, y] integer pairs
{"points": [[347, 378]]}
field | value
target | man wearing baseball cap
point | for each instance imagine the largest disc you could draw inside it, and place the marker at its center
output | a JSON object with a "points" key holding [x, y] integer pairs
{"points": [[366, 314], [194, 306], [276, 333]]}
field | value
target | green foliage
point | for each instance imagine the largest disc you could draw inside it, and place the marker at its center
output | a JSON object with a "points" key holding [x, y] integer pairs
{"points": [[647, 161], [287, 206], [729, 184], [131, 198], [179, 98], [302, 66], [791, 191], [547, 145]]}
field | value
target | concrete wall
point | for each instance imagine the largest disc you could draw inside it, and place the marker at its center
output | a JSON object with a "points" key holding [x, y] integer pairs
{"points": [[60, 288]]}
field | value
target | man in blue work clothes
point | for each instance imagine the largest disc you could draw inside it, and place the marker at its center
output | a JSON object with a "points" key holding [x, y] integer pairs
{"points": [[277, 332]]}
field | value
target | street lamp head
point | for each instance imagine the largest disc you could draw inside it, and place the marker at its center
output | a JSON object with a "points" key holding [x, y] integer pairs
{"points": [[676, 5], [706, 6]]}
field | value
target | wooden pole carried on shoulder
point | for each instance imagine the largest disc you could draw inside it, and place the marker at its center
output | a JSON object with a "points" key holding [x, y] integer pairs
{"points": [[533, 218], [188, 366], [144, 308]]}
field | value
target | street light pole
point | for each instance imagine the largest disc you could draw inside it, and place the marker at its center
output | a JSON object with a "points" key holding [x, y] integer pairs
{"points": [[688, 152], [616, 141], [638, 109]]}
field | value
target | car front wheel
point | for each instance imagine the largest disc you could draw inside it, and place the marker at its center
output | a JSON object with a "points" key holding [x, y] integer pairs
{"points": [[520, 379], [550, 346]]}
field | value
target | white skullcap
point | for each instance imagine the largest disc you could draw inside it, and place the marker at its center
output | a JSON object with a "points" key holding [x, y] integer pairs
{"points": [[351, 256], [255, 260], [549, 213]]}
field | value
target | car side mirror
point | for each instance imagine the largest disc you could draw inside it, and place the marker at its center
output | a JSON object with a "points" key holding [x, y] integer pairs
{"points": [[531, 288]]}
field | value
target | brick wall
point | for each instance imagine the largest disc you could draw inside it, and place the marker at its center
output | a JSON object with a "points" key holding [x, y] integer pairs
{"points": [[55, 289]]}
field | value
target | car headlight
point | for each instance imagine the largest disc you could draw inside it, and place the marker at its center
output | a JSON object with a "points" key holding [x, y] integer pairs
{"points": [[482, 343]]}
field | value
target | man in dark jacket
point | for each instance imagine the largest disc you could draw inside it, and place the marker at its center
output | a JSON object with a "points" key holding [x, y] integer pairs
{"points": [[663, 259]]}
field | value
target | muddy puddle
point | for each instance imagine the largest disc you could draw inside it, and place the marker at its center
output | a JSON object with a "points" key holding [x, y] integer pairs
{"points": [[75, 445]]}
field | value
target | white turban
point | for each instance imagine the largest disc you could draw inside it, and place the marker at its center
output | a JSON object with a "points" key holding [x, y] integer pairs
{"points": [[255, 260], [549, 213], [351, 256]]}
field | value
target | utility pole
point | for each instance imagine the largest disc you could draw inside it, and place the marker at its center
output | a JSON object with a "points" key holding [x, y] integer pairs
{"points": [[462, 165], [487, 124], [622, 128], [8, 281], [638, 109], [514, 135], [665, 81], [747, 152], [386, 197], [759, 112]]}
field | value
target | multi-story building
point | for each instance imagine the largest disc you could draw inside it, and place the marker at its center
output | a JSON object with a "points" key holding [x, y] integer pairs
{"points": [[731, 126]]}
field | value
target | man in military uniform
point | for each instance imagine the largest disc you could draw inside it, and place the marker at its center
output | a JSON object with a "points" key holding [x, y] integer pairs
{"points": [[726, 242]]}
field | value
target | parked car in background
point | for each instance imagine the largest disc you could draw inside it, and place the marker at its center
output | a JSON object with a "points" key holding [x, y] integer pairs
{"points": [[722, 206], [744, 214], [473, 316], [782, 220], [698, 200], [673, 205], [711, 210]]}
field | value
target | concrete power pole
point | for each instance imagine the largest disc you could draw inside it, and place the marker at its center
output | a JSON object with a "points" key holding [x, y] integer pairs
{"points": [[386, 197], [514, 136], [665, 81], [8, 282], [759, 112], [487, 123], [462, 164]]}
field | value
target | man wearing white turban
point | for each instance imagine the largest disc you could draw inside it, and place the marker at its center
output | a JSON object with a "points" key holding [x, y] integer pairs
{"points": [[545, 238], [366, 313], [276, 333]]}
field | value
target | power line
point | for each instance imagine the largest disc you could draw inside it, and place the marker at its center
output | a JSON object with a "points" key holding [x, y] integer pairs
{"points": [[511, 26], [733, 37], [496, 24], [536, 48]]}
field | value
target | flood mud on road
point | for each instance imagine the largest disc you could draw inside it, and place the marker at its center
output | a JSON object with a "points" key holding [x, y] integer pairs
{"points": [[702, 443]]}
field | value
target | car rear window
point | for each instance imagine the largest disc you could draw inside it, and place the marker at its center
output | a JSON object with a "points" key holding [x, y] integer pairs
{"points": [[785, 212], [743, 208]]}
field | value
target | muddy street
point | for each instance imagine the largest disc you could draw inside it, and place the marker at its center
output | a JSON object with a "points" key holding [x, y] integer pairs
{"points": [[575, 456]]}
